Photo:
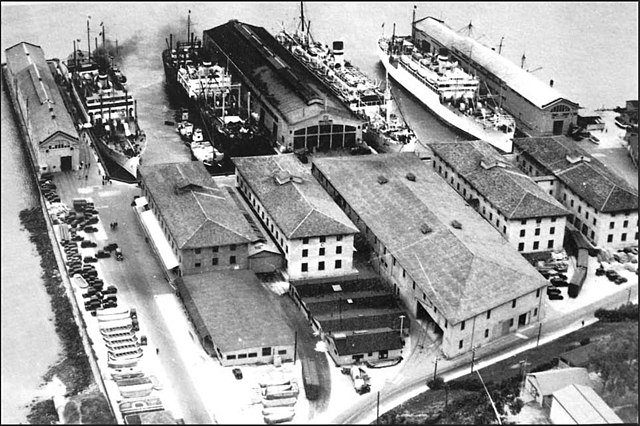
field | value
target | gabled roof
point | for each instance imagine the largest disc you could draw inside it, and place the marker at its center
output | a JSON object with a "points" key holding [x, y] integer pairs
{"points": [[600, 187], [584, 405], [300, 207], [512, 192], [351, 343], [28, 67], [578, 357], [552, 380], [197, 212], [526, 84], [235, 309], [292, 89], [464, 271]]}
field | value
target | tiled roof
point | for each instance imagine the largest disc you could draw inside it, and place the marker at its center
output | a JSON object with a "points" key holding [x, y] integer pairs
{"points": [[463, 271], [196, 211], [27, 64], [526, 84], [282, 79], [235, 309], [592, 181], [552, 380], [373, 341], [299, 209], [513, 193], [584, 405]]}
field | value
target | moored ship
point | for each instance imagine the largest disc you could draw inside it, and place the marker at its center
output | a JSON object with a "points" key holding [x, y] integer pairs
{"points": [[459, 99], [386, 130], [108, 109]]}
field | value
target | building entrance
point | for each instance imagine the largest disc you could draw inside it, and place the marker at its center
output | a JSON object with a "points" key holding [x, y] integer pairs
{"points": [[422, 314], [557, 127], [66, 163]]}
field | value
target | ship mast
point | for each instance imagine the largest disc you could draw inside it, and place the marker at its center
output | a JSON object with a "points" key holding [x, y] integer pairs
{"points": [[302, 16], [88, 38], [189, 25], [413, 25]]}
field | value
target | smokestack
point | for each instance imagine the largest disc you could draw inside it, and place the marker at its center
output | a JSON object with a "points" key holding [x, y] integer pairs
{"points": [[192, 34], [338, 52], [170, 41]]}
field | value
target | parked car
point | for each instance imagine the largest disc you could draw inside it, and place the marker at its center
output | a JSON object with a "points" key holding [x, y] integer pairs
{"points": [[237, 373], [133, 313], [620, 280], [110, 247], [143, 340], [556, 297], [612, 275], [89, 259], [559, 283], [102, 254], [110, 290], [600, 271]]}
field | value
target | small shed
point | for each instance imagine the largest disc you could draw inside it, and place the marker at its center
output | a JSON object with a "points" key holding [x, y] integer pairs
{"points": [[543, 384], [264, 257]]}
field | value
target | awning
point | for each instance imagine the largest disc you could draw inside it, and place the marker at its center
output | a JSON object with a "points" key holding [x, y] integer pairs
{"points": [[159, 240]]}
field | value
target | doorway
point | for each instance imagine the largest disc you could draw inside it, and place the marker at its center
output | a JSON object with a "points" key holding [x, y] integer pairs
{"points": [[557, 127], [522, 320], [66, 163]]}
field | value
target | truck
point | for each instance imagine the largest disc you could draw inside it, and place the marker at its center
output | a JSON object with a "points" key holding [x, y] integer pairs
{"points": [[359, 377]]}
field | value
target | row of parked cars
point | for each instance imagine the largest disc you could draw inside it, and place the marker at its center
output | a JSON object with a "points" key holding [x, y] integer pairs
{"points": [[611, 275]]}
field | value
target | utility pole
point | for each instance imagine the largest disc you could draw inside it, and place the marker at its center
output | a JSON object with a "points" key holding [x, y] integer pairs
{"points": [[435, 370], [401, 324], [495, 410], [473, 357], [378, 410], [539, 331], [523, 368], [500, 47], [295, 347]]}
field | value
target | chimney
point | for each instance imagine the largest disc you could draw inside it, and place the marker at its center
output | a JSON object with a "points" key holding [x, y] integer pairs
{"points": [[338, 52], [551, 83]]}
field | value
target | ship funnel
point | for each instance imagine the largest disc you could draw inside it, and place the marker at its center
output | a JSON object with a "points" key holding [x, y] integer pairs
{"points": [[338, 52]]}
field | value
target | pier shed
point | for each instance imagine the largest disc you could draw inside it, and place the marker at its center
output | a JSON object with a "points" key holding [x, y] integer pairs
{"points": [[236, 318], [538, 108], [53, 140], [300, 111]]}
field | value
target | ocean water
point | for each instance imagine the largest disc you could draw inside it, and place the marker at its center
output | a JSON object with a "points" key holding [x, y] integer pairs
{"points": [[590, 50]]}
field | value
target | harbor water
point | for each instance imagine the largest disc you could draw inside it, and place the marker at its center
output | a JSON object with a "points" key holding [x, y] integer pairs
{"points": [[588, 49]]}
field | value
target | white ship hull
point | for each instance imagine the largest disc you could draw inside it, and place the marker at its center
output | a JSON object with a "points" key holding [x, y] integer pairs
{"points": [[431, 100], [128, 164]]}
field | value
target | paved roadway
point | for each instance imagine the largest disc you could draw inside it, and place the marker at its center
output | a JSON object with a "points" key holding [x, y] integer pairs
{"points": [[139, 277]]}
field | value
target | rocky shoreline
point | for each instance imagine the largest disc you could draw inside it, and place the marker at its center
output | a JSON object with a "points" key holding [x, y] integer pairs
{"points": [[73, 366]]}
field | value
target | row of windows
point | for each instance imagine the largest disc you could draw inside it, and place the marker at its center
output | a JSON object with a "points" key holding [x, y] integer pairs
{"points": [[321, 266], [59, 146], [321, 251], [623, 237], [536, 232], [486, 330], [214, 262], [322, 239], [214, 249], [255, 354], [536, 245]]}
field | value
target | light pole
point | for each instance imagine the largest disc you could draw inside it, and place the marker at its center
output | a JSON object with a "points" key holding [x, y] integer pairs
{"points": [[435, 369], [539, 331], [473, 357], [401, 324]]}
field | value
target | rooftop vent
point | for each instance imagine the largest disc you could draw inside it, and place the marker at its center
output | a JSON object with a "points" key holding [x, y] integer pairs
{"points": [[382, 180], [489, 164], [456, 224], [411, 177], [282, 177], [573, 159], [425, 229]]}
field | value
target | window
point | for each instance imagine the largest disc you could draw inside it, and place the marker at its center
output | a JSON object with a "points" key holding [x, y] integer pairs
{"points": [[489, 314], [594, 221], [305, 253], [198, 250], [231, 357], [522, 232], [282, 351], [241, 356], [537, 232], [564, 197], [535, 312], [538, 221], [523, 221], [253, 355], [446, 323], [511, 322], [521, 247], [552, 230], [232, 247], [321, 251], [266, 351], [197, 264], [504, 229], [538, 293], [305, 241], [338, 237], [490, 216], [609, 238], [579, 209], [498, 223], [339, 250], [305, 267], [486, 333], [513, 303], [414, 285], [460, 344], [214, 261], [611, 225], [623, 237], [550, 244], [553, 219], [536, 244], [215, 249], [320, 266], [571, 203], [625, 223], [586, 214], [232, 260], [323, 239], [338, 264]]}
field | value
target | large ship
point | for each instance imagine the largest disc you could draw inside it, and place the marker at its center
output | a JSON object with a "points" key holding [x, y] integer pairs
{"points": [[212, 98], [459, 99], [385, 130], [108, 109]]}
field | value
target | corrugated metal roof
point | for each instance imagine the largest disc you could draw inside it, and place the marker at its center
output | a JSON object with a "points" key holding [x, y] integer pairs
{"points": [[521, 81], [584, 405], [463, 271], [46, 110], [372, 341], [512, 192], [196, 211], [287, 85], [301, 209]]}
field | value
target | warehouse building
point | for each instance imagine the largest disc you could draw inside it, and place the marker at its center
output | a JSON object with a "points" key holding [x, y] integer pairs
{"points": [[580, 405], [531, 219], [289, 100], [206, 228], [450, 267], [236, 318], [52, 137], [538, 108], [314, 235], [603, 206]]}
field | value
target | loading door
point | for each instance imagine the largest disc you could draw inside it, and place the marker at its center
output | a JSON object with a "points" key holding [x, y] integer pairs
{"points": [[66, 163], [557, 127]]}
